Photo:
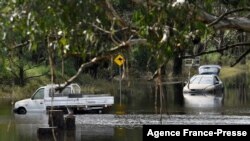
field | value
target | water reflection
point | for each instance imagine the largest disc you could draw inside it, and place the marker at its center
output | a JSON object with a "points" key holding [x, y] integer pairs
{"points": [[237, 89], [144, 98], [203, 101], [203, 104], [88, 127], [27, 126], [31, 118], [94, 125], [114, 127], [138, 108]]}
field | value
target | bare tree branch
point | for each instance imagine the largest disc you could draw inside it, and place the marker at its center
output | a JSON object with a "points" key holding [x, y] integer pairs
{"points": [[21, 44], [225, 47], [107, 55], [115, 14], [99, 28], [240, 58], [237, 23], [107, 31], [227, 13]]}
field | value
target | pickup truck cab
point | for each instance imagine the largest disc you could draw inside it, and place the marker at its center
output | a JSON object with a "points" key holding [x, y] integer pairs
{"points": [[70, 98]]}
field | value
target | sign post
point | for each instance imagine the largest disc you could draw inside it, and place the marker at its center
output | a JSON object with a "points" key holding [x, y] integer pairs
{"points": [[119, 60], [191, 62]]}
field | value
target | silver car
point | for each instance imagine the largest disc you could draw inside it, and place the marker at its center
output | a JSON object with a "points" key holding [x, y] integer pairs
{"points": [[204, 84]]}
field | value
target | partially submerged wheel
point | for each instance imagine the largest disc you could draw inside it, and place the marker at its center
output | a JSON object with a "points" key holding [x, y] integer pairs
{"points": [[99, 111], [21, 111]]}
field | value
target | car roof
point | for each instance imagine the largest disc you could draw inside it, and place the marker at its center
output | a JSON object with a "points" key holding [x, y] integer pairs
{"points": [[214, 66], [206, 75], [209, 69]]}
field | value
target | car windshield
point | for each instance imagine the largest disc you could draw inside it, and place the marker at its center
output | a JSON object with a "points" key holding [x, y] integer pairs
{"points": [[201, 80]]}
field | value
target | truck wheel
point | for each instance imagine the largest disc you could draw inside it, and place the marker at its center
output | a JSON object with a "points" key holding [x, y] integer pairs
{"points": [[21, 111], [99, 111]]}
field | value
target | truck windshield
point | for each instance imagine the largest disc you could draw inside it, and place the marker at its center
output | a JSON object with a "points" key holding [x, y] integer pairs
{"points": [[39, 94]]}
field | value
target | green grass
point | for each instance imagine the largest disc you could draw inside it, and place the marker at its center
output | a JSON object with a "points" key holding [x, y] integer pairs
{"points": [[37, 71], [228, 71], [95, 86], [17, 92]]}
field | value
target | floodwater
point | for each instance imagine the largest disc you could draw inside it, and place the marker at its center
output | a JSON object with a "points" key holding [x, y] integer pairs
{"points": [[139, 106]]}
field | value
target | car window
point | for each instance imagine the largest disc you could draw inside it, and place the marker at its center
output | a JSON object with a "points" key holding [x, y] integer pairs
{"points": [[216, 78], [206, 80], [64, 92], [39, 94], [201, 80], [76, 89], [195, 80]]}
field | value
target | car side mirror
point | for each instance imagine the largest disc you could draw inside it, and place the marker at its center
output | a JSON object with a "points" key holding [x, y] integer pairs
{"points": [[216, 82], [186, 82]]}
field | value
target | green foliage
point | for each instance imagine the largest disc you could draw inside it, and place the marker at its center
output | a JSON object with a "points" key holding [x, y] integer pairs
{"points": [[91, 28], [143, 59], [213, 58]]}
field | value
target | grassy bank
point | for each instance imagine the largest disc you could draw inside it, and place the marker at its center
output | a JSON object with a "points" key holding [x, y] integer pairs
{"points": [[17, 92], [90, 85], [227, 71], [87, 83]]}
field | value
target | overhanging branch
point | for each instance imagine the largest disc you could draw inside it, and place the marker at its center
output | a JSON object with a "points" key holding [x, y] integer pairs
{"points": [[107, 55], [225, 47], [227, 13], [115, 14], [23, 44], [240, 58], [234, 22]]}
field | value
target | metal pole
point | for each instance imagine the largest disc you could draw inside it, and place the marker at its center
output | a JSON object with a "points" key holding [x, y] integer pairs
{"points": [[120, 85]]}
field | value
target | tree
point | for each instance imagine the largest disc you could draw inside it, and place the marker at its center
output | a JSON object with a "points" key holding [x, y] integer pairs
{"points": [[232, 18], [100, 29]]}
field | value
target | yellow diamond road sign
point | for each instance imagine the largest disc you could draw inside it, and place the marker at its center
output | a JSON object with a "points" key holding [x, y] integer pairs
{"points": [[119, 60]]}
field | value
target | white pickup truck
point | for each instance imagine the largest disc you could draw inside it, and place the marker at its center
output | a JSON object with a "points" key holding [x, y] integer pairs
{"points": [[70, 98]]}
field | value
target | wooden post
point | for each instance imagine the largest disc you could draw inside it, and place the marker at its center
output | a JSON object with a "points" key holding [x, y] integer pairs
{"points": [[56, 119], [47, 132], [70, 122], [57, 126], [70, 135]]}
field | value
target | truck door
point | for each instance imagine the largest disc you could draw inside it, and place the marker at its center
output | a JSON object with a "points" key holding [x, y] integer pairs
{"points": [[37, 100]]}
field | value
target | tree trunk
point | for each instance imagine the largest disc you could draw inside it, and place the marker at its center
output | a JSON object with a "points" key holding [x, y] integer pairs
{"points": [[177, 66], [51, 61], [21, 76], [21, 80], [178, 95]]}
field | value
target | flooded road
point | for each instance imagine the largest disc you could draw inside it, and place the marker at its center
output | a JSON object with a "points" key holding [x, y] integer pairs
{"points": [[140, 107], [119, 127]]}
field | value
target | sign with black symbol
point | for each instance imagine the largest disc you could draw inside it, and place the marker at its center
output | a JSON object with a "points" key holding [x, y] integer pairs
{"points": [[119, 60]]}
